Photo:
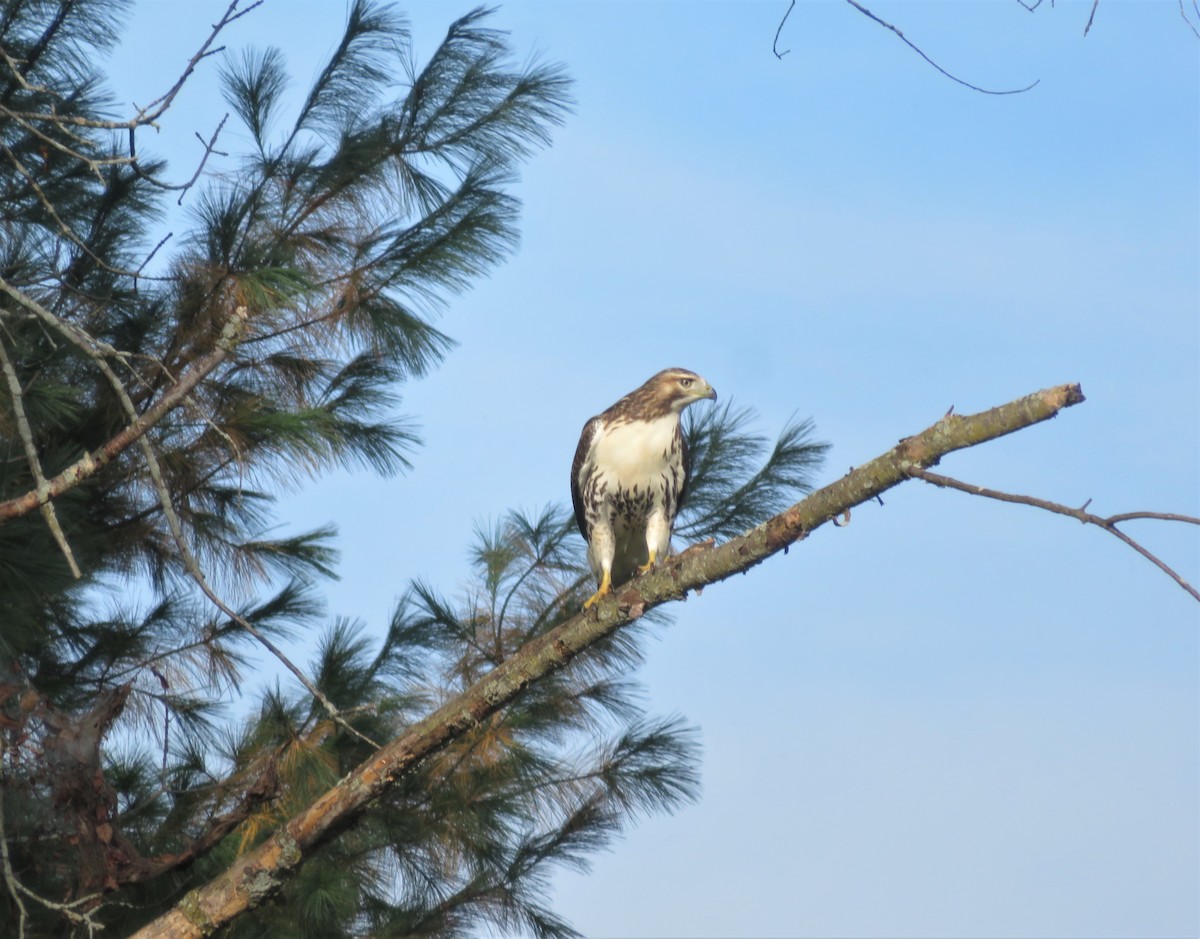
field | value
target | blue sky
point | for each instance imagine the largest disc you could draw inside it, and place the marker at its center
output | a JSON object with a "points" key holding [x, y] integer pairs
{"points": [[952, 717]]}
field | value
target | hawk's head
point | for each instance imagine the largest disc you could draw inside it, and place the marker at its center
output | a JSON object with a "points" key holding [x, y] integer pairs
{"points": [[671, 390]]}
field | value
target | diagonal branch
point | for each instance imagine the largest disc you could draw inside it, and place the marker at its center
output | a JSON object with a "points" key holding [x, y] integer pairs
{"points": [[259, 873], [1109, 524], [775, 44]]}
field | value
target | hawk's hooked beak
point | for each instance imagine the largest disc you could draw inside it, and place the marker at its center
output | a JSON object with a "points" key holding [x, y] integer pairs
{"points": [[705, 390]]}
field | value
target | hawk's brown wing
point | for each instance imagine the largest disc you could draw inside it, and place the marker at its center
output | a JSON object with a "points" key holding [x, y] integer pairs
{"points": [[586, 439]]}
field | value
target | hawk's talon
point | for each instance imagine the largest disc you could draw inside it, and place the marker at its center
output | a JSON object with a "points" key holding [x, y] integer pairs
{"points": [[648, 566], [603, 591]]}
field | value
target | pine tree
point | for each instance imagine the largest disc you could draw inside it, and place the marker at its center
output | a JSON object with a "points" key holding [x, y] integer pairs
{"points": [[156, 400]]}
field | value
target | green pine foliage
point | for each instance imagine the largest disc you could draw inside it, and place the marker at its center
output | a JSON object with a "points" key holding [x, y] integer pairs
{"points": [[134, 764]]}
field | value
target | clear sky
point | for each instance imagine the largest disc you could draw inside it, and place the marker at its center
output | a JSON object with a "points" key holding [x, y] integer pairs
{"points": [[952, 717]]}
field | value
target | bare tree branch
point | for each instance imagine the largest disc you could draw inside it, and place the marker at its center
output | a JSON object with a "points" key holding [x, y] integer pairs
{"points": [[209, 150], [146, 116], [1109, 524], [775, 44], [258, 874], [917, 49]]}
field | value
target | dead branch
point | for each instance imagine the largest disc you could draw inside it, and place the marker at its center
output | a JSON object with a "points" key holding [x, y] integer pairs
{"points": [[775, 44], [919, 51], [908, 42], [1108, 524], [261, 872], [210, 147], [146, 116]]}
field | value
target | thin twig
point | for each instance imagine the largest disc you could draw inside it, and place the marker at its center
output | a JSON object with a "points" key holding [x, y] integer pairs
{"points": [[775, 44], [149, 257], [917, 49], [156, 108], [41, 487], [182, 188], [1109, 524], [1183, 13], [1091, 16]]}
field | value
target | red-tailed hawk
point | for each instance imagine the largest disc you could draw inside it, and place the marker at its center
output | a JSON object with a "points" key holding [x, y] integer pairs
{"points": [[630, 474]]}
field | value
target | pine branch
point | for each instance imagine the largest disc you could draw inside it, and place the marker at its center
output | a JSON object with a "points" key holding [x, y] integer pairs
{"points": [[91, 463], [260, 873], [227, 341], [41, 490]]}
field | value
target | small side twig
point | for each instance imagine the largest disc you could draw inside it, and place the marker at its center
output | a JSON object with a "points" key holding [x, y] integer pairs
{"points": [[1109, 524], [1183, 13], [210, 147]]}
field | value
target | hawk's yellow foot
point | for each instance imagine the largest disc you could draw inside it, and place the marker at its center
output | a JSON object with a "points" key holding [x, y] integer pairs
{"points": [[603, 590], [642, 568]]}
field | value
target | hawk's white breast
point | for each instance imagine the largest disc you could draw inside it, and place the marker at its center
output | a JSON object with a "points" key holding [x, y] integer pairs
{"points": [[634, 452]]}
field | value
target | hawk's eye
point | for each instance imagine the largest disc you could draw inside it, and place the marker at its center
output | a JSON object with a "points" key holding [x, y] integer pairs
{"points": [[685, 382]]}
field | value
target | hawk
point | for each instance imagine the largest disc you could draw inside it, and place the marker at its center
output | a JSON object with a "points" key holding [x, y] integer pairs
{"points": [[630, 474]]}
